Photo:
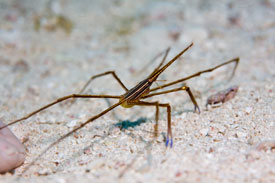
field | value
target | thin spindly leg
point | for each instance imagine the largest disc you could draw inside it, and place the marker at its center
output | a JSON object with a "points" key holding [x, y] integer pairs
{"points": [[97, 76], [186, 88], [156, 129], [58, 101], [169, 138], [103, 74], [73, 131], [235, 60]]}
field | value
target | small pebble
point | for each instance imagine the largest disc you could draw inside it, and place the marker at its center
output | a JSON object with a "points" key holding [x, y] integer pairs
{"points": [[204, 131], [266, 145], [222, 96], [72, 123], [12, 152], [248, 110]]}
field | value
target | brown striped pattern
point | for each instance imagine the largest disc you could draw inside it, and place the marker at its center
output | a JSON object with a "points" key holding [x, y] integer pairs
{"points": [[136, 92]]}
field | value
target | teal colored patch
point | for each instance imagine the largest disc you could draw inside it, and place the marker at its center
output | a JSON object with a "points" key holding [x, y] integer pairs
{"points": [[129, 124]]}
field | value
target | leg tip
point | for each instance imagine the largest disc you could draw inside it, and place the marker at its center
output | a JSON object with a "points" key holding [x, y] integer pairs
{"points": [[169, 141], [198, 109]]}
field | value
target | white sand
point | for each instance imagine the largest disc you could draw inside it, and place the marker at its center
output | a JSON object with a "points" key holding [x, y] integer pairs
{"points": [[218, 145]]}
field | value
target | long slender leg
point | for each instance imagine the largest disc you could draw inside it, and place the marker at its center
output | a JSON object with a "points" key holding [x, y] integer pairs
{"points": [[58, 101], [157, 120], [186, 88], [235, 60], [169, 139], [97, 76], [156, 74], [103, 74], [71, 132]]}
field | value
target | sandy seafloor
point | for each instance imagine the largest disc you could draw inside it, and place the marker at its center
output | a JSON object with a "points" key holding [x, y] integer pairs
{"points": [[218, 145]]}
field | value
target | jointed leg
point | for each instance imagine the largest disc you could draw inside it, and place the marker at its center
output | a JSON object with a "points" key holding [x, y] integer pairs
{"points": [[156, 129], [186, 88], [103, 74], [58, 101], [71, 132], [100, 75], [235, 60], [169, 138]]}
